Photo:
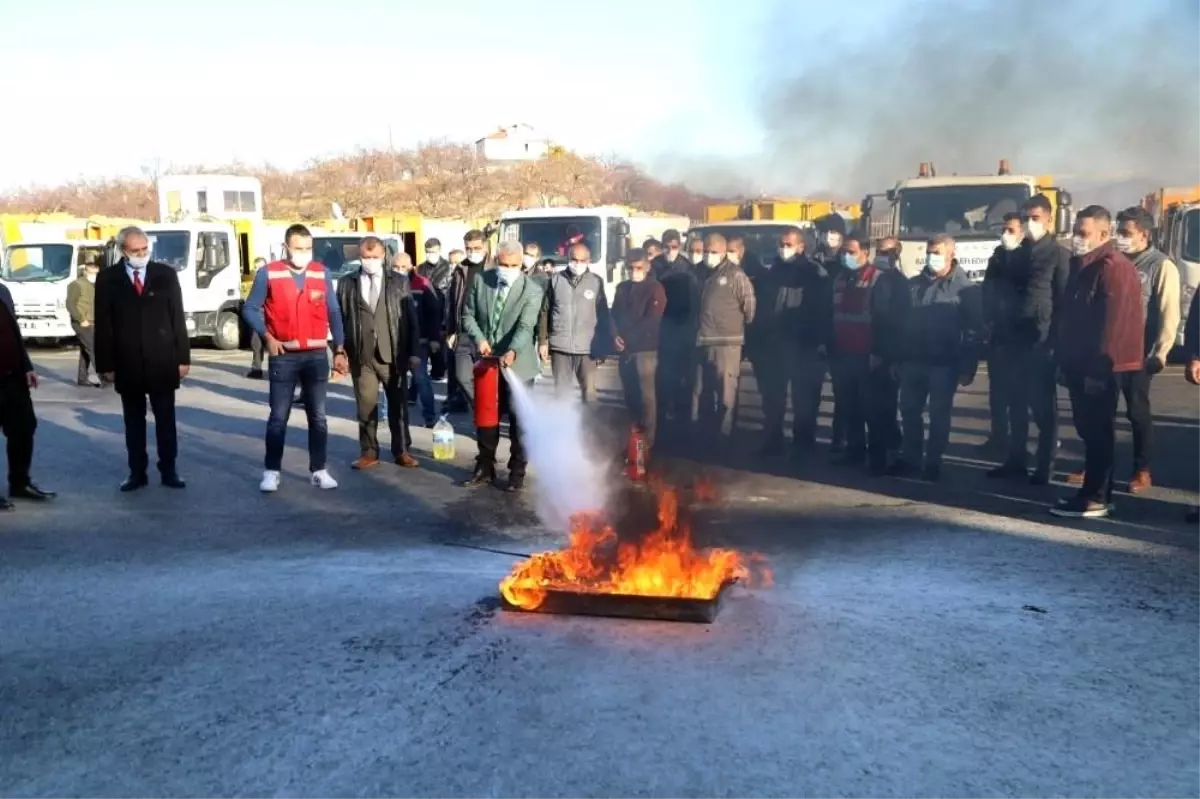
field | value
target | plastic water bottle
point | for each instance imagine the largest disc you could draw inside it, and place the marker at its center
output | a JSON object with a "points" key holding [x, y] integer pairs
{"points": [[383, 409], [443, 440]]}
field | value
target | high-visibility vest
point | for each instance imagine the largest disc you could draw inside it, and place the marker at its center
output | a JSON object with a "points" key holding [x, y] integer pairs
{"points": [[852, 310], [297, 318]]}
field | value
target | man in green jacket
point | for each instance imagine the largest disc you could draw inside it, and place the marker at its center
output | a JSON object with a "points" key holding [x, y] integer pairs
{"points": [[81, 301], [499, 316]]}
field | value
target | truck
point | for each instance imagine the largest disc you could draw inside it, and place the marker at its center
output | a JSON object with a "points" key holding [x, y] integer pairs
{"points": [[37, 274], [762, 237], [604, 229], [1176, 212], [970, 208], [778, 209]]}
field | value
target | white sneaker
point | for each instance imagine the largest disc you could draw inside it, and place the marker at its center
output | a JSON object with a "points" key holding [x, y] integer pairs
{"points": [[324, 480], [270, 482]]}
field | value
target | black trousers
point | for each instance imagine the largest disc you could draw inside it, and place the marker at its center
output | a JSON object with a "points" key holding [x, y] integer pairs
{"points": [[1094, 413], [87, 352], [868, 406], [256, 351], [133, 407], [1032, 387], [1135, 387], [367, 378], [18, 422], [488, 438], [676, 372], [802, 370], [999, 380]]}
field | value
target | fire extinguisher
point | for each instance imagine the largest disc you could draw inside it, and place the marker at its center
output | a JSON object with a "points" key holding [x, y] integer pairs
{"points": [[635, 455], [487, 392]]}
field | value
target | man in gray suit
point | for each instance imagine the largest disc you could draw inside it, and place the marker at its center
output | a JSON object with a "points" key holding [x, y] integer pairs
{"points": [[499, 316]]}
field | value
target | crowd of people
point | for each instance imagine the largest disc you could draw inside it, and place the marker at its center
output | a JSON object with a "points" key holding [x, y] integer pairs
{"points": [[1099, 319]]}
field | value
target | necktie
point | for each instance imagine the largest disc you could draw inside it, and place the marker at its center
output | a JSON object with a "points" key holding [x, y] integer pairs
{"points": [[373, 291], [498, 310], [137, 281]]}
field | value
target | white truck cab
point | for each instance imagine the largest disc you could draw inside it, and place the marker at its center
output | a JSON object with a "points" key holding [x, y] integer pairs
{"points": [[604, 229], [37, 274], [206, 255]]}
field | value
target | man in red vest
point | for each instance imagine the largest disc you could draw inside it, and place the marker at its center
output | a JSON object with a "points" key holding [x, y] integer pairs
{"points": [[860, 357], [293, 306]]}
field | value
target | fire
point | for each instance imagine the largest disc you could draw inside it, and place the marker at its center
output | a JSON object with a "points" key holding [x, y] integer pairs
{"points": [[663, 563]]}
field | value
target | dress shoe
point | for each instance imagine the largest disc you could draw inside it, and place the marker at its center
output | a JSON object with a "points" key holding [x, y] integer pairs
{"points": [[365, 462], [516, 482], [1140, 482], [173, 480], [479, 478], [30, 491], [407, 461], [254, 374], [134, 481]]}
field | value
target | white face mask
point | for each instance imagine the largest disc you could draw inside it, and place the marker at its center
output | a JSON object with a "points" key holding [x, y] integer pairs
{"points": [[697, 257], [1125, 243], [300, 260], [833, 241], [935, 263], [475, 257], [787, 253], [638, 275], [91, 277], [577, 267], [734, 258], [373, 266], [508, 274], [529, 261], [1081, 246], [1034, 229], [138, 261], [433, 257], [1010, 240], [672, 254], [714, 260]]}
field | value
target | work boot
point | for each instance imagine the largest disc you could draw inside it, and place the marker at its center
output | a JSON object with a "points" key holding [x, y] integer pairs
{"points": [[479, 478], [407, 461], [1008, 469], [365, 461], [516, 482], [1140, 481], [1075, 478]]}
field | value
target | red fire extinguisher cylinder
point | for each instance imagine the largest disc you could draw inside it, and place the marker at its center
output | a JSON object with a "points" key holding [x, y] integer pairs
{"points": [[487, 392], [635, 454]]}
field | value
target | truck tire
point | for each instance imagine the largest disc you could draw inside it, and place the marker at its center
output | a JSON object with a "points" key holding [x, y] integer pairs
{"points": [[229, 332]]}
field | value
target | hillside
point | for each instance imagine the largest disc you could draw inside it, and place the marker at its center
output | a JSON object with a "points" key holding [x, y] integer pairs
{"points": [[435, 180]]}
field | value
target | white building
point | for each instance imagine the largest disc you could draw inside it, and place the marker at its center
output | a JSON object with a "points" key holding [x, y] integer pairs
{"points": [[219, 196], [511, 144]]}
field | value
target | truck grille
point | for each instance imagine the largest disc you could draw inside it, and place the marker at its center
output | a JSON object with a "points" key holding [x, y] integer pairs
{"points": [[34, 309]]}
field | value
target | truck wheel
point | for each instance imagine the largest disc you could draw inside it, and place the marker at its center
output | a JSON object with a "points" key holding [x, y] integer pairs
{"points": [[228, 333]]}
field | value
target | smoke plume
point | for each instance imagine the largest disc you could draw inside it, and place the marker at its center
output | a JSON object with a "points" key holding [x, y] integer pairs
{"points": [[1092, 93]]}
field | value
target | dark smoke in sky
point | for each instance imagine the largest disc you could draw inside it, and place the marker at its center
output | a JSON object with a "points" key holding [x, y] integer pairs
{"points": [[1094, 93]]}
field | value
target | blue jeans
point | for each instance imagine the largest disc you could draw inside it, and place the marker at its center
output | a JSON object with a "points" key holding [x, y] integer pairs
{"points": [[922, 384], [424, 388], [311, 371]]}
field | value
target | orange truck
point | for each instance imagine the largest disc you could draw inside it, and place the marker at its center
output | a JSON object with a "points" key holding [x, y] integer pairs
{"points": [[1176, 212]]}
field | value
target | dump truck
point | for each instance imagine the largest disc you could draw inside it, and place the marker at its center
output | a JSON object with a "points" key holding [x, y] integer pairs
{"points": [[778, 210], [970, 208], [1176, 212]]}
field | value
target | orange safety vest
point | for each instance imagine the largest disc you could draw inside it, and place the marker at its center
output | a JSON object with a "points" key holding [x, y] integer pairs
{"points": [[852, 310], [299, 319]]}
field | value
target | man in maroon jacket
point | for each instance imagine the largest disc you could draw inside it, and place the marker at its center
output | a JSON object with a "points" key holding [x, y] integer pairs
{"points": [[636, 316], [1100, 338]]}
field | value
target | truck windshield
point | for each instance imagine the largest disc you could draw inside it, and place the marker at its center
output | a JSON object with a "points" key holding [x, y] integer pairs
{"points": [[37, 263], [762, 241], [339, 254], [555, 235], [1191, 235], [959, 210], [171, 247]]}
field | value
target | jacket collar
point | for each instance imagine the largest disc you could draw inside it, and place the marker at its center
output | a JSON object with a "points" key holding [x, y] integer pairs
{"points": [[1103, 252]]}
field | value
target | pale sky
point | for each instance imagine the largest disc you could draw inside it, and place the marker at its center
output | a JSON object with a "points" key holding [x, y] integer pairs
{"points": [[104, 88]]}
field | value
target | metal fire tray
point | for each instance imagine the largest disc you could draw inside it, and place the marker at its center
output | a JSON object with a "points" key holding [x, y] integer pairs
{"points": [[629, 606]]}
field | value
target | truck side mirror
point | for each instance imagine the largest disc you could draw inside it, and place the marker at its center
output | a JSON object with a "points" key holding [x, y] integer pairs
{"points": [[1062, 216], [891, 195]]}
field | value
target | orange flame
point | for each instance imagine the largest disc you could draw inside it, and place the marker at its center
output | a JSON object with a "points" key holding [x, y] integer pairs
{"points": [[663, 563]]}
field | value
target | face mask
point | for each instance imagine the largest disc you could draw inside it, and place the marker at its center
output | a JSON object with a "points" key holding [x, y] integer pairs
{"points": [[883, 262], [432, 257], [734, 258], [787, 253], [300, 259], [1034, 229], [138, 261], [577, 268], [697, 257], [1125, 243], [373, 266], [833, 241], [638, 275], [935, 263], [714, 260], [672, 254], [529, 261], [1081, 246], [91, 277], [1010, 240], [508, 274], [475, 257], [849, 261]]}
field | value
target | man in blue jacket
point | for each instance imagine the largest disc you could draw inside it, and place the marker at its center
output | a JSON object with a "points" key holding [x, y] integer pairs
{"points": [[941, 331]]}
